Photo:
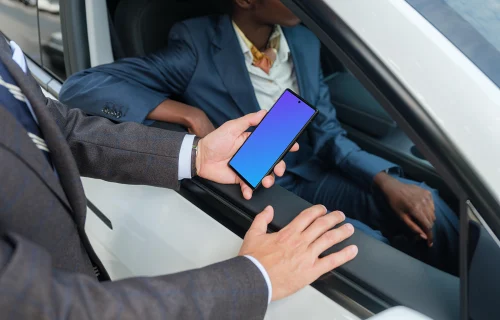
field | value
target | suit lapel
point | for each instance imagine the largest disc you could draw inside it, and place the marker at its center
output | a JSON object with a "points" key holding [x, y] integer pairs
{"points": [[60, 153], [14, 137], [230, 64], [299, 62]]}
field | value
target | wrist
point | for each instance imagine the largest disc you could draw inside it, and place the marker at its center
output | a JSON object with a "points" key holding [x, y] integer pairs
{"points": [[196, 159], [382, 179]]}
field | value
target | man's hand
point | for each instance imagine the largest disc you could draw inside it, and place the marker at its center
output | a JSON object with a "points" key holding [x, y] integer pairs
{"points": [[198, 123], [411, 203], [217, 148], [290, 256]]}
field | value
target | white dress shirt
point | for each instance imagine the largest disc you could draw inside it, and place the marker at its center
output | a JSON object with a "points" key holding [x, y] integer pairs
{"points": [[184, 155], [269, 87]]}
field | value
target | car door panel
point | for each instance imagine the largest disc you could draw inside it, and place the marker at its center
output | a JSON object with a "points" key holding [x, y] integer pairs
{"points": [[382, 274]]}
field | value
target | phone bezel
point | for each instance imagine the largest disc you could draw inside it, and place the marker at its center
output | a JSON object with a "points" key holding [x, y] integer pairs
{"points": [[287, 148]]}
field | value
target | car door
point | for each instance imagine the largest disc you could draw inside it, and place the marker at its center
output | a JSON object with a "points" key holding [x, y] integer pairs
{"points": [[419, 60]]}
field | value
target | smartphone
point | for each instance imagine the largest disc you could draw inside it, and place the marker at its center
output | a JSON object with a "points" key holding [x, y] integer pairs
{"points": [[272, 138]]}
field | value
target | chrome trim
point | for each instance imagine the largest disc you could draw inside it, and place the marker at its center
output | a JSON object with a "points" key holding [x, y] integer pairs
{"points": [[473, 212], [42, 77], [54, 87]]}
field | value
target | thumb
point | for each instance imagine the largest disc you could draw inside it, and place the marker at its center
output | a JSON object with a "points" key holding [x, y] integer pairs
{"points": [[240, 125], [259, 224]]}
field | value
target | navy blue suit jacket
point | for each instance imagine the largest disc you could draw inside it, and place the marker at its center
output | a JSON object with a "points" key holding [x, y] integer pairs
{"points": [[204, 66]]}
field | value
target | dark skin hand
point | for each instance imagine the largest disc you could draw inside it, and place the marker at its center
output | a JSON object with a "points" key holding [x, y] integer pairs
{"points": [[411, 203]]}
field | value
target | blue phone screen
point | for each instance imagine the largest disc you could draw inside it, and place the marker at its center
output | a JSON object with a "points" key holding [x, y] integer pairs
{"points": [[271, 138]]}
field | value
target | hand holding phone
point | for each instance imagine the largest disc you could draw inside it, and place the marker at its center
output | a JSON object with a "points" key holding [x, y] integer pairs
{"points": [[216, 149], [272, 138]]}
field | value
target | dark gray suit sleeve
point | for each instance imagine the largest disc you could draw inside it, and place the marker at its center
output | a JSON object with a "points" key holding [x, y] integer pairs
{"points": [[128, 153], [32, 289]]}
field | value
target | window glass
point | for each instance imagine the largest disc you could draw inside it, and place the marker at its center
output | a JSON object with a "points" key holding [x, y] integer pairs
{"points": [[472, 26], [51, 38], [18, 21], [483, 275]]}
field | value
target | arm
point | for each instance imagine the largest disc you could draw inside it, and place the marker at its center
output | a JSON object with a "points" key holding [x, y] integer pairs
{"points": [[332, 145], [127, 152], [134, 87], [194, 119], [34, 289]]}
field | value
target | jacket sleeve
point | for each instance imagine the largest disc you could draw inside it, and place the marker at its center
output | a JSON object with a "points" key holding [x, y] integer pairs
{"points": [[128, 152], [33, 289], [332, 145], [134, 86]]}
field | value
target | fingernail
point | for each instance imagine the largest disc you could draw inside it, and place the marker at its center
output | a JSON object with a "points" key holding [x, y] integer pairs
{"points": [[268, 208], [354, 250], [341, 214], [423, 236], [349, 227], [432, 243], [326, 210]]}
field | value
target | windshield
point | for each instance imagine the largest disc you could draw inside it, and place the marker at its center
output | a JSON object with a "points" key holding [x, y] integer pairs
{"points": [[473, 26]]}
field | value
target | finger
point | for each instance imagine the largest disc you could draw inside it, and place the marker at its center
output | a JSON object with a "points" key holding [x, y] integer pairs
{"points": [[430, 238], [261, 221], [295, 147], [241, 125], [246, 191], [268, 181], [431, 216], [245, 135], [413, 226], [334, 260], [306, 217], [280, 169], [322, 225], [421, 217], [330, 238]]}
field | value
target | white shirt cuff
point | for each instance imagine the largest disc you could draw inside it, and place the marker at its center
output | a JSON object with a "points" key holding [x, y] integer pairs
{"points": [[185, 157], [266, 276]]}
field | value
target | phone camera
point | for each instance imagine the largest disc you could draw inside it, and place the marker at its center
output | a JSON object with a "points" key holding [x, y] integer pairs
{"points": [[298, 101]]}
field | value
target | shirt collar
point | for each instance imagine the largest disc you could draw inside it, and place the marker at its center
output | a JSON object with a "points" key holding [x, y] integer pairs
{"points": [[18, 56], [245, 44]]}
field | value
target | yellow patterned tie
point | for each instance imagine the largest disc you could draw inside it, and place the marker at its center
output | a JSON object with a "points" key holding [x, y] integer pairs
{"points": [[263, 60]]}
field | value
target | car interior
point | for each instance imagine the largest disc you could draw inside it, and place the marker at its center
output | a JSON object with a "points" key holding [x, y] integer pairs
{"points": [[141, 27], [381, 276]]}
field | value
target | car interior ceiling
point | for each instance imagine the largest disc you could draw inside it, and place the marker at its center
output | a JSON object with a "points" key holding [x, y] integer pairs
{"points": [[139, 27]]}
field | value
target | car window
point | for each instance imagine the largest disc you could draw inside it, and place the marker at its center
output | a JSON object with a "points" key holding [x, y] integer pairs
{"points": [[51, 38], [483, 259], [18, 22], [472, 26]]}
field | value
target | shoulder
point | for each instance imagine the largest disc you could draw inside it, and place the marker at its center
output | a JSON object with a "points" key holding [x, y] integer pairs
{"points": [[301, 34], [199, 29], [301, 38]]}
